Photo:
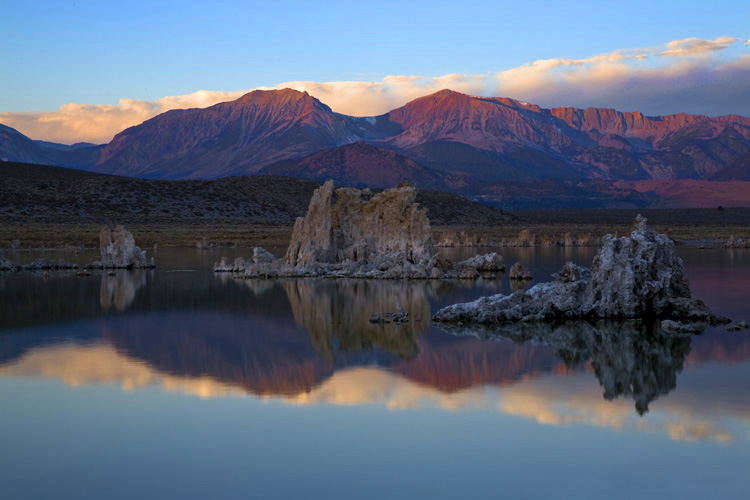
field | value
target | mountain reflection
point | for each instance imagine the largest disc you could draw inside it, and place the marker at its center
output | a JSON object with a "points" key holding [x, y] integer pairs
{"points": [[629, 358], [309, 341]]}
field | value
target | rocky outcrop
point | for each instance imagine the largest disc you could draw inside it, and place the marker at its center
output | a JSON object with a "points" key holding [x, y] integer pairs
{"points": [[742, 325], [359, 226], [354, 233], [635, 276], [119, 251], [37, 265], [733, 242], [519, 273], [262, 256], [49, 265], [5, 264]]}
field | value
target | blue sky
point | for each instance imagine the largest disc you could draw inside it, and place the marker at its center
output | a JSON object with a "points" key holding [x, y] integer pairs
{"points": [[55, 53]]}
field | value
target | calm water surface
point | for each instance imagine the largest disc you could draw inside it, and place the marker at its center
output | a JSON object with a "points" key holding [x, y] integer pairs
{"points": [[180, 383]]}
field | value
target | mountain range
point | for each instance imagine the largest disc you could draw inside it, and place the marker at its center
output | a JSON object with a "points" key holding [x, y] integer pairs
{"points": [[446, 140]]}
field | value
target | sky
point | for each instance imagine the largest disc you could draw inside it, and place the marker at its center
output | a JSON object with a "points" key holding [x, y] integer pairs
{"points": [[73, 71]]}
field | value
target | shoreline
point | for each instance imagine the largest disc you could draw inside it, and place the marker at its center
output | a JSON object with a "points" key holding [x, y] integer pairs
{"points": [[77, 236]]}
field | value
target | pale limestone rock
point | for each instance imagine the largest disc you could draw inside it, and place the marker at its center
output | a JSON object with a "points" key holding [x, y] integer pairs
{"points": [[311, 236], [119, 251], [360, 227], [352, 233], [733, 242], [636, 276], [262, 256]]}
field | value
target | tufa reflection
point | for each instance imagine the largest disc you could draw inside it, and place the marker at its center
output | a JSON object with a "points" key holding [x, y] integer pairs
{"points": [[118, 288], [629, 358]]}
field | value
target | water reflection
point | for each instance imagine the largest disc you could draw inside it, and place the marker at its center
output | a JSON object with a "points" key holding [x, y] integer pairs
{"points": [[629, 358], [341, 310], [118, 289], [309, 341], [547, 399]]}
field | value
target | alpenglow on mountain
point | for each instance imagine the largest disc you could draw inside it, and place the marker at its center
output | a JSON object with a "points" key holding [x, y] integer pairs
{"points": [[446, 138]]}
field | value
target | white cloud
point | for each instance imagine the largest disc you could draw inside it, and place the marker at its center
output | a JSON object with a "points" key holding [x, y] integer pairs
{"points": [[98, 123], [688, 75], [691, 46]]}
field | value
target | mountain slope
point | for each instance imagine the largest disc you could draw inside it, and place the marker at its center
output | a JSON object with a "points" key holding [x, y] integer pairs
{"points": [[14, 146], [237, 137], [477, 139], [504, 139], [39, 192], [361, 165]]}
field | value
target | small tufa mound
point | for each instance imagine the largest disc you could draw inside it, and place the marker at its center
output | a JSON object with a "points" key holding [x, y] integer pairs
{"points": [[519, 273], [742, 325], [37, 265], [7, 265], [636, 276], [398, 317], [119, 251]]}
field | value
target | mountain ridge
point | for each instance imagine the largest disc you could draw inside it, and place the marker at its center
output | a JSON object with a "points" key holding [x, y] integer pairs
{"points": [[486, 139]]}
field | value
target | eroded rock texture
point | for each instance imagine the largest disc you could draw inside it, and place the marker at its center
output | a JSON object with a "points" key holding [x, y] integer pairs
{"points": [[634, 276], [359, 226], [354, 233], [119, 251]]}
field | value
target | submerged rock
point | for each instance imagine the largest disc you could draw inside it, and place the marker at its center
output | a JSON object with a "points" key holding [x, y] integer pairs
{"points": [[671, 326], [354, 233], [632, 277], [742, 325], [398, 317], [49, 265], [119, 251]]}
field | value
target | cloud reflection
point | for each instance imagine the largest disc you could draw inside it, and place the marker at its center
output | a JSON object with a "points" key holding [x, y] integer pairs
{"points": [[548, 400]]}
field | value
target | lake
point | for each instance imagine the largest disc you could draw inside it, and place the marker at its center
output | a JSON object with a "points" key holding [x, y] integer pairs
{"points": [[178, 382]]}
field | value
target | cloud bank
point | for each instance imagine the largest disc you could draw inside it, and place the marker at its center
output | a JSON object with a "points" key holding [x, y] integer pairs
{"points": [[691, 75]]}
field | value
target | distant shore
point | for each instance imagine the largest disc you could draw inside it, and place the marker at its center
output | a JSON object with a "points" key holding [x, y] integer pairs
{"points": [[681, 224]]}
